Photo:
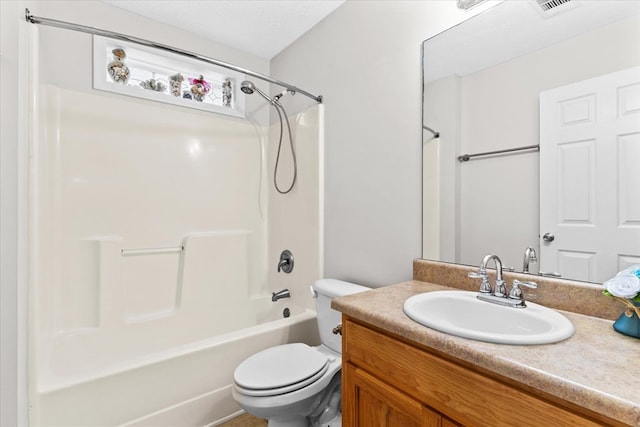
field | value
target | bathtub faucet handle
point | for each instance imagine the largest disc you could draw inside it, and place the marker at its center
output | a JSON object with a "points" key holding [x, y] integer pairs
{"points": [[280, 294], [286, 261]]}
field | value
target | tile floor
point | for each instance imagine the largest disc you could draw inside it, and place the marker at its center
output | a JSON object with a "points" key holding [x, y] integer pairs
{"points": [[245, 420]]}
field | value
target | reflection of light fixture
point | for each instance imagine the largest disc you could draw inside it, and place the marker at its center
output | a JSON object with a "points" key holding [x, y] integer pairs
{"points": [[194, 149], [468, 4]]}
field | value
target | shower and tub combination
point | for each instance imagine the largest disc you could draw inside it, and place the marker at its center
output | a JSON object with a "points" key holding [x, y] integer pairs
{"points": [[155, 242]]}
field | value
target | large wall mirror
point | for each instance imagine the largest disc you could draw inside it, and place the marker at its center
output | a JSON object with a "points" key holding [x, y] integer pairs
{"points": [[545, 104]]}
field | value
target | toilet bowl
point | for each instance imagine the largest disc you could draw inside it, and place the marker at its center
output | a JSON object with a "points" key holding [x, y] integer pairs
{"points": [[289, 398], [296, 385]]}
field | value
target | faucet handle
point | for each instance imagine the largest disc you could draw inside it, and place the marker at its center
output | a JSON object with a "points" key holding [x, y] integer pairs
{"points": [[478, 275], [516, 292], [286, 261], [485, 286]]}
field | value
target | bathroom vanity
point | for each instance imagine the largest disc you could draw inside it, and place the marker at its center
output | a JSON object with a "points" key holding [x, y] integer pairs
{"points": [[399, 373]]}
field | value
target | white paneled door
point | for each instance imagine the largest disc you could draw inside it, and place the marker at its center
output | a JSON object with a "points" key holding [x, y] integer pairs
{"points": [[590, 176]]}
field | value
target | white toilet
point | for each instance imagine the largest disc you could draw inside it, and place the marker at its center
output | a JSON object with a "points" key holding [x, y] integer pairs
{"points": [[295, 385]]}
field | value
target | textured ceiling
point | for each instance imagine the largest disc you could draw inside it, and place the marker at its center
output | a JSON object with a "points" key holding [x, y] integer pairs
{"points": [[260, 27]]}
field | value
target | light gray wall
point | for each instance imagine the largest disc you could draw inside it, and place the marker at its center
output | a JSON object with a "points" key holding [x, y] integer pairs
{"points": [[364, 59]]}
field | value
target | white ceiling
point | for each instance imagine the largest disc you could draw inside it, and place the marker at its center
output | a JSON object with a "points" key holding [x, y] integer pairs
{"points": [[260, 27]]}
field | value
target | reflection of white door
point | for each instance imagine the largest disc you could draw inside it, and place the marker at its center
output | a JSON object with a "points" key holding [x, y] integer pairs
{"points": [[590, 176]]}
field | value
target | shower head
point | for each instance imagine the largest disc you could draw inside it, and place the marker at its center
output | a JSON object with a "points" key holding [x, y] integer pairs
{"points": [[248, 88]]}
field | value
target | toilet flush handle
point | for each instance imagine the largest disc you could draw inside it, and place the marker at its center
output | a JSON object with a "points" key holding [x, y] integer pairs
{"points": [[337, 330]]}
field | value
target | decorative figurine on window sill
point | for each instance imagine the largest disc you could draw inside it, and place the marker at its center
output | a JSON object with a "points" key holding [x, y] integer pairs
{"points": [[153, 84], [118, 70], [175, 84], [226, 93], [199, 88]]}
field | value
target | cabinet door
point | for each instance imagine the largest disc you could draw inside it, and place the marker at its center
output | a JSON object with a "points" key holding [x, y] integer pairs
{"points": [[372, 403], [446, 422]]}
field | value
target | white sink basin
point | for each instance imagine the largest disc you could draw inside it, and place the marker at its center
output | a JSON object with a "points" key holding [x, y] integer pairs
{"points": [[460, 313]]}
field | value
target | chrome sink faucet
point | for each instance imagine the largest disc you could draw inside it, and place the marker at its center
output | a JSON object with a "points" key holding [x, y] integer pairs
{"points": [[499, 296], [529, 257], [485, 287]]}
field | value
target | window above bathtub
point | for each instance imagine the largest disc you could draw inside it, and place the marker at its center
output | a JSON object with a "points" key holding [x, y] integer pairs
{"points": [[153, 74]]}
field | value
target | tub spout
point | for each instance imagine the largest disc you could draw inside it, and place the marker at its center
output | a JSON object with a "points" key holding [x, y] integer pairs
{"points": [[280, 294]]}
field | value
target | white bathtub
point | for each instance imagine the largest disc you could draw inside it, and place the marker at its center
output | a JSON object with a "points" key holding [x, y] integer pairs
{"points": [[185, 386]]}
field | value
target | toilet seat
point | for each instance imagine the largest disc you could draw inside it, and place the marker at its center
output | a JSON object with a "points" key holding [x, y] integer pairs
{"points": [[281, 369], [282, 390]]}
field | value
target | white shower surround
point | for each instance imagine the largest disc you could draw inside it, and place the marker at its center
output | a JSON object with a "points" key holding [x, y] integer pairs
{"points": [[146, 339]]}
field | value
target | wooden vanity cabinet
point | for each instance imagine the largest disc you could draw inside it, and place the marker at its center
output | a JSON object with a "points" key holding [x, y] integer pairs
{"points": [[379, 404], [388, 382]]}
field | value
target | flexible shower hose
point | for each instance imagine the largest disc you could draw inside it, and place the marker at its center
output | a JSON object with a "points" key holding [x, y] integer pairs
{"points": [[279, 107]]}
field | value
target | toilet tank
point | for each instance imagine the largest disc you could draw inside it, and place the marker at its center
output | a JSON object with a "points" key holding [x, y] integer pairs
{"points": [[324, 291]]}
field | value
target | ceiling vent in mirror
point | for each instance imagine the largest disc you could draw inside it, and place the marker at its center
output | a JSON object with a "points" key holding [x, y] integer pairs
{"points": [[550, 4], [468, 4], [549, 8]]}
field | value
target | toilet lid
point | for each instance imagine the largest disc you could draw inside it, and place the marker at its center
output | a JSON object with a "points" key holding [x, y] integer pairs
{"points": [[280, 366], [282, 390]]}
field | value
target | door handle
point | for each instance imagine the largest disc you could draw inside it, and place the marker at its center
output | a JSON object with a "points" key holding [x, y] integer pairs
{"points": [[548, 237]]}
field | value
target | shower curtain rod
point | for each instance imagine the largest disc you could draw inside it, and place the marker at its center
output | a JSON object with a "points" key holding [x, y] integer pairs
{"points": [[436, 134], [467, 157], [111, 34]]}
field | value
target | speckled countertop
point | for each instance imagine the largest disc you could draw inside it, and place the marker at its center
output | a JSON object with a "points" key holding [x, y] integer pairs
{"points": [[596, 368]]}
